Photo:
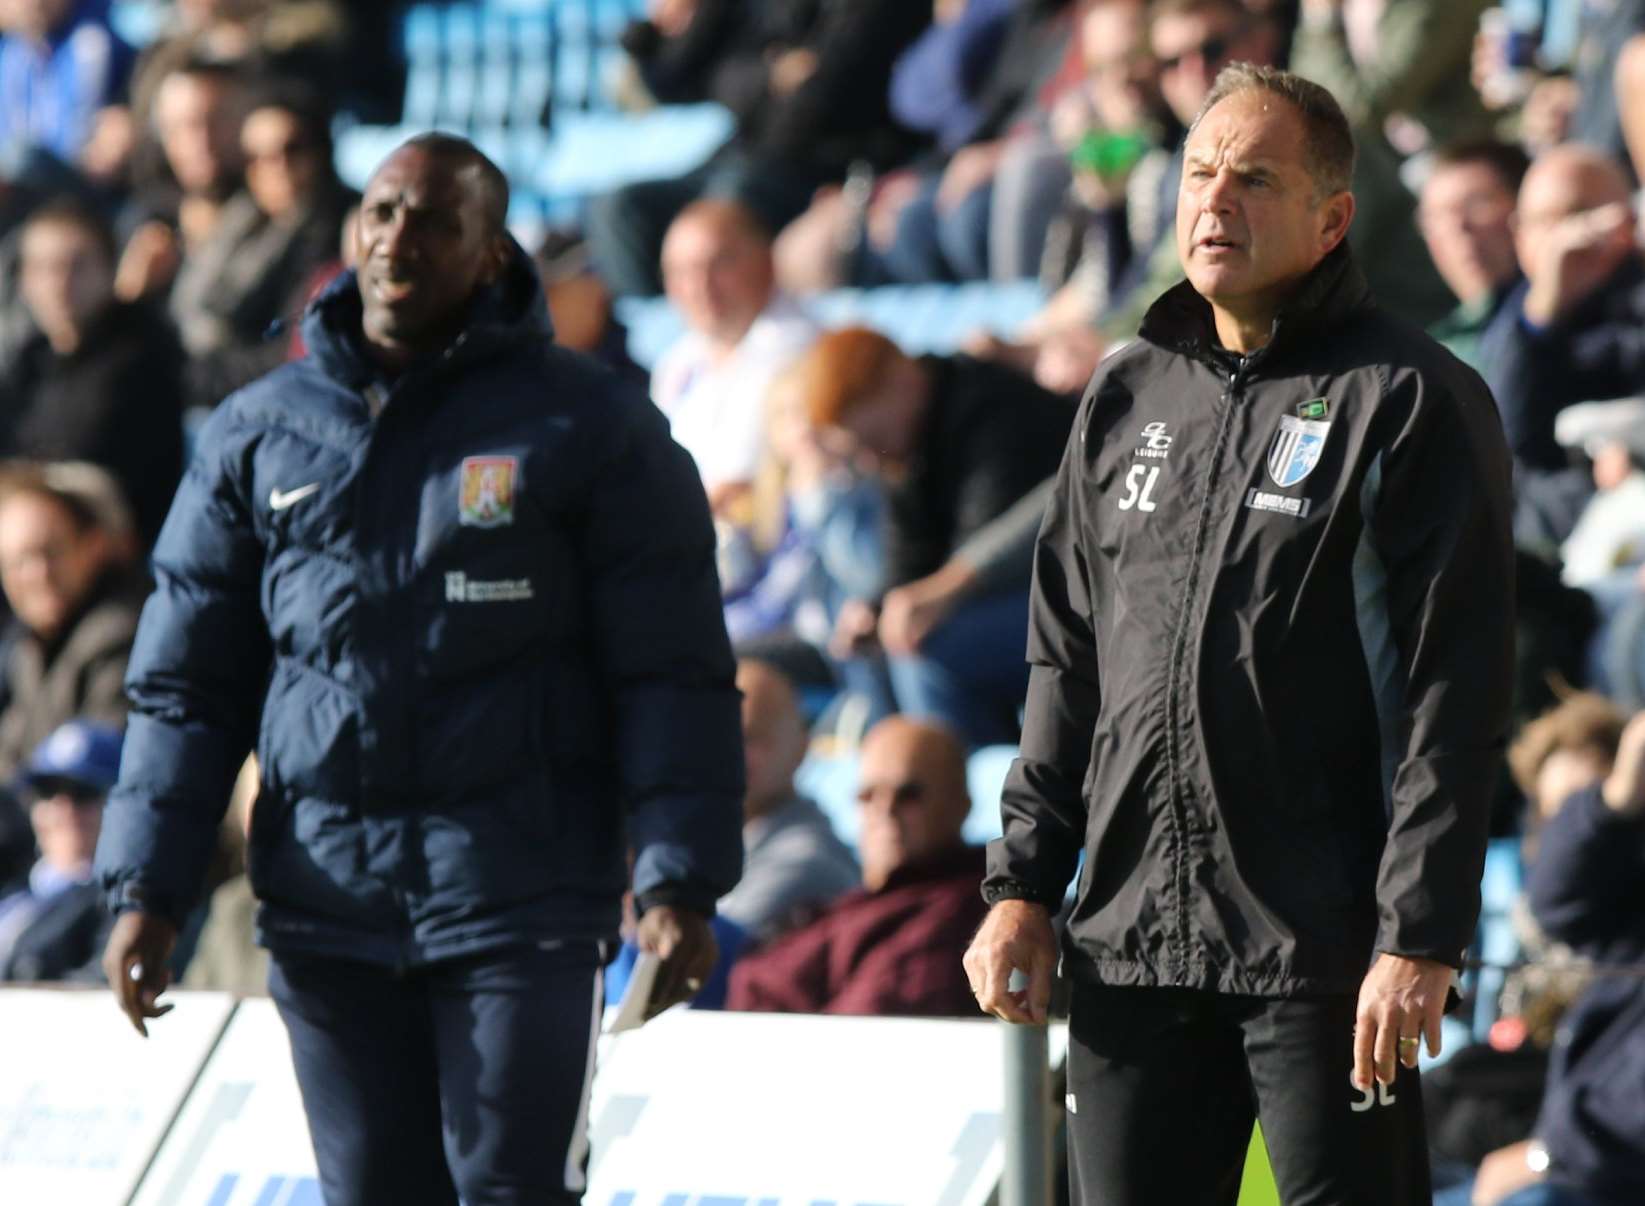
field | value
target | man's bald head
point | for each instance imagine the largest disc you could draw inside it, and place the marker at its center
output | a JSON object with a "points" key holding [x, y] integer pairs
{"points": [[774, 736], [717, 268], [1567, 187], [1573, 171], [912, 795]]}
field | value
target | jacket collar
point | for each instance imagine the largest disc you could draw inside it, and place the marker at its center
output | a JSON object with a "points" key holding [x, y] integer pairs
{"points": [[510, 311], [1181, 319]]}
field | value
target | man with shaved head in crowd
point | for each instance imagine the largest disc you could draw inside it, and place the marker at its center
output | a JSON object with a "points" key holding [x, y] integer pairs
{"points": [[1579, 325], [740, 334], [893, 946]]}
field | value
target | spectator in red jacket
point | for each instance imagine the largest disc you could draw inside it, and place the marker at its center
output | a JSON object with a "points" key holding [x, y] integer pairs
{"points": [[893, 947]]}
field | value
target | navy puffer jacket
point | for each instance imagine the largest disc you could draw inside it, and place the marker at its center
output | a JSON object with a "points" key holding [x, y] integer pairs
{"points": [[476, 642]]}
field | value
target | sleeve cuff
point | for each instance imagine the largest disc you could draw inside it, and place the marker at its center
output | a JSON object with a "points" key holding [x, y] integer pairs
{"points": [[996, 890]]}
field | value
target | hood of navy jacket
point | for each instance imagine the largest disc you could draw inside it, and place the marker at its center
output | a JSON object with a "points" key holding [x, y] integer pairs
{"points": [[507, 312]]}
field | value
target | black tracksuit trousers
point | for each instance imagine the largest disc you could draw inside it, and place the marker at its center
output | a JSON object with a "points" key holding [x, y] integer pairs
{"points": [[1164, 1084]]}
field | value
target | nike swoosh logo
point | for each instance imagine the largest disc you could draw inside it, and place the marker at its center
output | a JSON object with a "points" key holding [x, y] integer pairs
{"points": [[279, 502]]}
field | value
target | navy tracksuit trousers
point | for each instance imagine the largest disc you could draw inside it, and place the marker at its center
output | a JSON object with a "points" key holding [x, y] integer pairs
{"points": [[468, 1077]]}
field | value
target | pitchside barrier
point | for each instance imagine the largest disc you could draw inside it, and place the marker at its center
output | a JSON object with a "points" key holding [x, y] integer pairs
{"points": [[694, 1109]]}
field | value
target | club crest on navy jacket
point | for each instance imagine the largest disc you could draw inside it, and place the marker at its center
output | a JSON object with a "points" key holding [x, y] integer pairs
{"points": [[1271, 637], [476, 642]]}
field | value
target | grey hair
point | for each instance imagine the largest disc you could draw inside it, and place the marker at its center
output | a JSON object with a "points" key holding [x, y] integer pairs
{"points": [[1328, 141]]}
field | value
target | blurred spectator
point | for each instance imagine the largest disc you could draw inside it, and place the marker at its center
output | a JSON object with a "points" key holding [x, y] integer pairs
{"points": [[1399, 68], [1119, 145], [1605, 552], [61, 69], [296, 38], [1577, 331], [957, 442], [185, 179], [1608, 57], [815, 538], [793, 862], [256, 264], [740, 333], [66, 565], [676, 47], [1486, 1096], [29, 177], [1191, 41], [53, 924], [1587, 889], [579, 305], [102, 379], [1466, 214], [808, 86], [942, 231], [892, 947]]}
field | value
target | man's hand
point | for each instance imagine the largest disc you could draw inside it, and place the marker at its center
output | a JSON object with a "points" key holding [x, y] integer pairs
{"points": [[1015, 936], [970, 168], [1576, 256], [685, 944], [909, 614], [1624, 788], [1400, 1000], [1503, 1172], [854, 629], [136, 964]]}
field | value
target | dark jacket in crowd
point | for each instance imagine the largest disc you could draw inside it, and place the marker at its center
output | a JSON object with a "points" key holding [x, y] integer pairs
{"points": [[842, 112], [476, 641], [63, 940], [1587, 889], [990, 436], [679, 70], [79, 674], [1595, 352], [892, 952], [1260, 588], [115, 401], [247, 276]]}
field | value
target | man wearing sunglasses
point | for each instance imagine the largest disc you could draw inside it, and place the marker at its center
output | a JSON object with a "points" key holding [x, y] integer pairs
{"points": [[53, 922]]}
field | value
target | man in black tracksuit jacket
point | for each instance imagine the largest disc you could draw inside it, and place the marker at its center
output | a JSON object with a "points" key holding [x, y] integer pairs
{"points": [[457, 587], [1270, 644]]}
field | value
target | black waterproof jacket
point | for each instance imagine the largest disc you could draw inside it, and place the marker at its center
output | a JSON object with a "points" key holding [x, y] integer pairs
{"points": [[1271, 640]]}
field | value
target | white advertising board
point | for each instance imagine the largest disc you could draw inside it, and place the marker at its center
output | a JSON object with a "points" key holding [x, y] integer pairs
{"points": [[84, 1100], [694, 1109], [718, 1109], [241, 1138]]}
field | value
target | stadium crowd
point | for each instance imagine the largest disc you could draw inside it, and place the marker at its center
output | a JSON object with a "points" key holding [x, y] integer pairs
{"points": [[167, 210]]}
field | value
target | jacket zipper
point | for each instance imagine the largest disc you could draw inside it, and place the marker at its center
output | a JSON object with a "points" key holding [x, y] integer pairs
{"points": [[1179, 790]]}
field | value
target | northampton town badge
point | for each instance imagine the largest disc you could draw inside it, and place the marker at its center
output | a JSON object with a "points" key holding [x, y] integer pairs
{"points": [[485, 492]]}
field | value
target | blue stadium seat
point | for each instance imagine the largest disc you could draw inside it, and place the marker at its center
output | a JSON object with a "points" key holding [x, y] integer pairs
{"points": [[1500, 887], [592, 153], [921, 318]]}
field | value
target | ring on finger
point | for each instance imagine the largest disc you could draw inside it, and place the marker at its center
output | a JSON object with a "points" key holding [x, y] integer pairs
{"points": [[1410, 1040]]}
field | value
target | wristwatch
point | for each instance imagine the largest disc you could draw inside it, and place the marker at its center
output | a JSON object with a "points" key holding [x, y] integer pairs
{"points": [[1536, 1157], [996, 890]]}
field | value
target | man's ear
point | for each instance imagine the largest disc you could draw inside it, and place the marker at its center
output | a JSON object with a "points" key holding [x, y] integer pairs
{"points": [[1337, 214], [497, 256]]}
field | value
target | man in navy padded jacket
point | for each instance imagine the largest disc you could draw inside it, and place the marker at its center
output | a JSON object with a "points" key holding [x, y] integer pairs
{"points": [[456, 585]]}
